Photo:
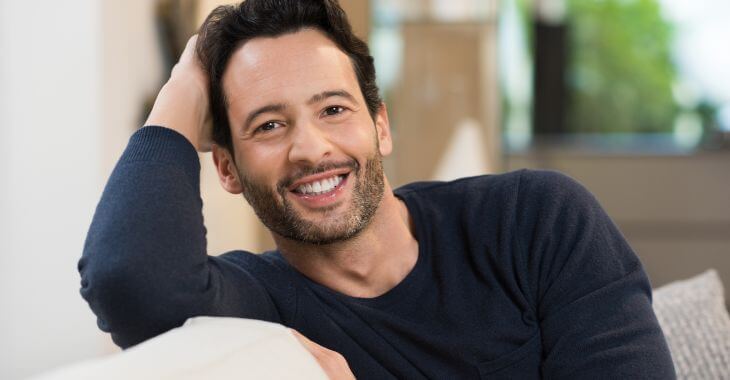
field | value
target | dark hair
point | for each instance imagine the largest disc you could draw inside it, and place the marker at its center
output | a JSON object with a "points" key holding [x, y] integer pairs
{"points": [[230, 26]]}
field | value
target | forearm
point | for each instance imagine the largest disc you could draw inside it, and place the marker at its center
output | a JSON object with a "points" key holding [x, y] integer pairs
{"points": [[182, 107], [145, 252]]}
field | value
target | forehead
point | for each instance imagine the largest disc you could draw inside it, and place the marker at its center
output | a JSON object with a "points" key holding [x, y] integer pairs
{"points": [[286, 69]]}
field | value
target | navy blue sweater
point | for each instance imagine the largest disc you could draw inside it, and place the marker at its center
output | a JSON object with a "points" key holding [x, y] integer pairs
{"points": [[520, 275]]}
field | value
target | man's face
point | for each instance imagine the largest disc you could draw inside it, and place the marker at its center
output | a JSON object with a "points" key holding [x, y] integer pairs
{"points": [[308, 155]]}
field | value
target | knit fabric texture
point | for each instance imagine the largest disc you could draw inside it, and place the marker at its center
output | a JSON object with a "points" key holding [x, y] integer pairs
{"points": [[695, 321]]}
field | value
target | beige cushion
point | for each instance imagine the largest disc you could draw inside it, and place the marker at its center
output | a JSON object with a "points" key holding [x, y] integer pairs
{"points": [[206, 348], [695, 321]]}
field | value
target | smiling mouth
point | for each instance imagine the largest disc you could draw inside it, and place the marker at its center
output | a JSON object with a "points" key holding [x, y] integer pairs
{"points": [[322, 186]]}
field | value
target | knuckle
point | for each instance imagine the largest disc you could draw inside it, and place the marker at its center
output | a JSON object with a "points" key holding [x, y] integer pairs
{"points": [[335, 357], [338, 356]]}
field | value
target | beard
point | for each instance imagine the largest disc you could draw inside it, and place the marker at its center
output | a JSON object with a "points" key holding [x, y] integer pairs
{"points": [[278, 214]]}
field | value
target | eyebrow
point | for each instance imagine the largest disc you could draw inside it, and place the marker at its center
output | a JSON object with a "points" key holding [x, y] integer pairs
{"points": [[316, 98], [329, 94]]}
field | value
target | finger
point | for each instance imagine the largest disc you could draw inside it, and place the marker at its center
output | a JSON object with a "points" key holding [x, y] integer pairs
{"points": [[308, 344], [323, 355], [189, 51], [333, 364]]}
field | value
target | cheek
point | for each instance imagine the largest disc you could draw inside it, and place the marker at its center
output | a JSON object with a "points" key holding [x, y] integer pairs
{"points": [[357, 138], [261, 165]]}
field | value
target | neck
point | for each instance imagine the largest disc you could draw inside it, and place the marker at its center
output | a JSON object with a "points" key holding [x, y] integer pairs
{"points": [[369, 264]]}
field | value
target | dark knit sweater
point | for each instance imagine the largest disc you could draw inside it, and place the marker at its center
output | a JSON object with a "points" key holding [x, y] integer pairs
{"points": [[520, 275]]}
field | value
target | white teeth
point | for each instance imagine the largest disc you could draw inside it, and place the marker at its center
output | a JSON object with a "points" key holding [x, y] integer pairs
{"points": [[319, 187]]}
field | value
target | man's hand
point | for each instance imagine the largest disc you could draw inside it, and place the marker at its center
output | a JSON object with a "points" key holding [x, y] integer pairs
{"points": [[182, 104], [333, 364]]}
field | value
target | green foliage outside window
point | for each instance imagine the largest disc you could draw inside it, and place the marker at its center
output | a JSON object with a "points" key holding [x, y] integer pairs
{"points": [[620, 72]]}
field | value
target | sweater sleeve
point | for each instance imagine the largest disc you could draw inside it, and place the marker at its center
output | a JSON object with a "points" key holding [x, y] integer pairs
{"points": [[591, 295], [144, 269]]}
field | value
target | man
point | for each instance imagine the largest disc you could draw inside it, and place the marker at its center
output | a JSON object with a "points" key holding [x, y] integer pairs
{"points": [[520, 275]]}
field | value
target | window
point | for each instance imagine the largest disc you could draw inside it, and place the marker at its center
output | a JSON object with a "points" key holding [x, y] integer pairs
{"points": [[632, 74]]}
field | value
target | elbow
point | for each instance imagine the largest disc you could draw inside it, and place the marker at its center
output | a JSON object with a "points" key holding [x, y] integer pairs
{"points": [[101, 287], [112, 292], [132, 300]]}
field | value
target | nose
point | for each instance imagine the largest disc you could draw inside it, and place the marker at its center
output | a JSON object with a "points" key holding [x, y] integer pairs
{"points": [[309, 145]]}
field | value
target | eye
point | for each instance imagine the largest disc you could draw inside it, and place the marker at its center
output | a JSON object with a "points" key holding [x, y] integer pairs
{"points": [[268, 126], [333, 110]]}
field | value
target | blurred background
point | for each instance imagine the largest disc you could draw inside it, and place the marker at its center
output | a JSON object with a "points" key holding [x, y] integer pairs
{"points": [[630, 97]]}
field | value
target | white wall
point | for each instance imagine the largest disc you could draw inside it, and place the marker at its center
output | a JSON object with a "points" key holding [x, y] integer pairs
{"points": [[73, 75], [50, 97]]}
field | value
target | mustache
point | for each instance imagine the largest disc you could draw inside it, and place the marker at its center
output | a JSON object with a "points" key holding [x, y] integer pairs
{"points": [[287, 181]]}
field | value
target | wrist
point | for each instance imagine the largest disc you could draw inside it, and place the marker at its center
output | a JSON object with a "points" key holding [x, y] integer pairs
{"points": [[181, 106], [191, 96]]}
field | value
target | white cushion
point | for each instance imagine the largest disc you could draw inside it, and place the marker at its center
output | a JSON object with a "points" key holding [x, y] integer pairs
{"points": [[206, 348], [695, 321]]}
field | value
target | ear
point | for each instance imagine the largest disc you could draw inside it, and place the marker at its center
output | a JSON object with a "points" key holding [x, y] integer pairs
{"points": [[382, 128], [226, 168]]}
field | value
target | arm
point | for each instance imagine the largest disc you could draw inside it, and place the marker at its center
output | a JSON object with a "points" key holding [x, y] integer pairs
{"points": [[144, 268], [592, 297]]}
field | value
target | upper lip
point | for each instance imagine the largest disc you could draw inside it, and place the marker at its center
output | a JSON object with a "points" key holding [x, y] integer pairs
{"points": [[317, 177]]}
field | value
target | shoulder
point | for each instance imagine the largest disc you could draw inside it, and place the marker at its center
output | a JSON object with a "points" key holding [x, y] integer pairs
{"points": [[481, 201], [269, 269], [522, 185], [270, 273], [520, 198], [548, 182], [477, 185], [544, 192], [263, 264]]}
